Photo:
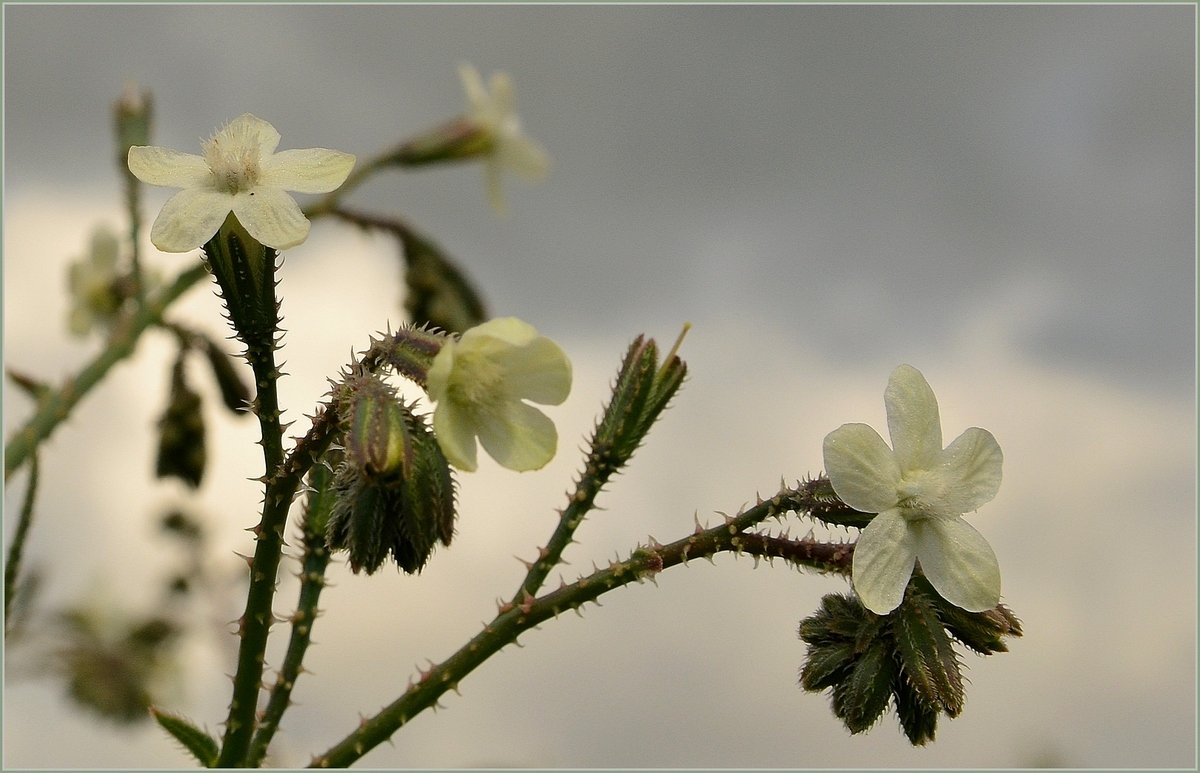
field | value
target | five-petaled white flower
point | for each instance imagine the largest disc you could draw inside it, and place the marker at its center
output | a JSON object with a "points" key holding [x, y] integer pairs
{"points": [[919, 491], [495, 113], [239, 172], [479, 383]]}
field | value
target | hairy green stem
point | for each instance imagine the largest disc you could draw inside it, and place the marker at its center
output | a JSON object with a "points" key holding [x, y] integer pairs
{"points": [[515, 619], [12, 566], [57, 405], [255, 624]]}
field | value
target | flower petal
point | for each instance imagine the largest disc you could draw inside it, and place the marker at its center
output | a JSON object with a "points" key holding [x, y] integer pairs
{"points": [[862, 468], [189, 219], [477, 95], [913, 421], [958, 561], [313, 170], [456, 435], [502, 99], [508, 331], [161, 166], [972, 468], [538, 371], [249, 130], [525, 157], [437, 380], [883, 562], [520, 437], [271, 216]]}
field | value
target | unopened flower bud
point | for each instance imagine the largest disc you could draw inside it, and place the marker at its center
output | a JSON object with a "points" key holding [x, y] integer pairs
{"points": [[181, 452], [394, 494], [377, 438]]}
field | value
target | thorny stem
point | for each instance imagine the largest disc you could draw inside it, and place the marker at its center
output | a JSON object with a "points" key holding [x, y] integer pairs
{"points": [[312, 582], [56, 406], [514, 619], [13, 565]]}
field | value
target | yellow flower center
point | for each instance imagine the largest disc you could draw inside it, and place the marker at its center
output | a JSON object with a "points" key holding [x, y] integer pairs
{"points": [[234, 161]]}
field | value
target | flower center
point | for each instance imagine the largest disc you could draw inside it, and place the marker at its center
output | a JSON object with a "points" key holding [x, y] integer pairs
{"points": [[913, 496], [478, 382], [234, 161]]}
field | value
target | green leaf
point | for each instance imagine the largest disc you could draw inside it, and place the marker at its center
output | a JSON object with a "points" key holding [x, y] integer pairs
{"points": [[202, 745], [926, 653]]}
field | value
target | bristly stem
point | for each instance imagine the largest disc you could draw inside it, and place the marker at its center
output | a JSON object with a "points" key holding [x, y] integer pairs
{"points": [[515, 619], [312, 582], [56, 406], [12, 566]]}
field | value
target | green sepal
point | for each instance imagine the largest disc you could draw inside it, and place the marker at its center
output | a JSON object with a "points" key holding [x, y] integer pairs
{"points": [[862, 697], [927, 657], [826, 664], [982, 632], [839, 619], [918, 719], [826, 506], [201, 745], [642, 391], [403, 513], [245, 273], [181, 447]]}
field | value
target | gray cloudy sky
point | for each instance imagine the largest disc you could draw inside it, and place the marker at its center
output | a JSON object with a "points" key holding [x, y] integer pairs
{"points": [[1002, 196]]}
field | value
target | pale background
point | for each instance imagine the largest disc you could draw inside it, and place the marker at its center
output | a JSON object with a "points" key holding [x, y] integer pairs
{"points": [[1000, 196]]}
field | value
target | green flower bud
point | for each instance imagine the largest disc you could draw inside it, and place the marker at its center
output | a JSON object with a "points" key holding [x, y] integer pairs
{"points": [[376, 434], [181, 452], [394, 494]]}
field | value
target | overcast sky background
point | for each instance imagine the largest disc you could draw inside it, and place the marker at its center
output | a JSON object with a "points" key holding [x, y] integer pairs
{"points": [[1001, 196]]}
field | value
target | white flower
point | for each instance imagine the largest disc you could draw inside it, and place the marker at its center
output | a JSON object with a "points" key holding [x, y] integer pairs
{"points": [[919, 491], [240, 172], [480, 382], [495, 113]]}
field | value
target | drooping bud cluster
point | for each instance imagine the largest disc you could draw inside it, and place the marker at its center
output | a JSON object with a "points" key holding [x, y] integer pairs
{"points": [[181, 450], [394, 490], [906, 657]]}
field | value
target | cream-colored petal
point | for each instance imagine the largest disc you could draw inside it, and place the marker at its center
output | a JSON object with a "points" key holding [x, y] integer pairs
{"points": [[503, 100], [506, 332], [883, 562], [455, 435], [271, 216], [524, 157], [958, 561], [519, 437], [862, 468], [189, 219], [539, 371], [249, 130], [437, 380], [971, 469], [170, 168], [477, 95], [313, 170], [913, 420]]}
